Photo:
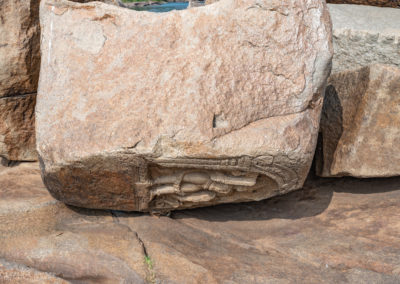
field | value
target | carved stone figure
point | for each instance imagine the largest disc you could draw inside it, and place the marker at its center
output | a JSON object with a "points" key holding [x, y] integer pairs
{"points": [[156, 112]]}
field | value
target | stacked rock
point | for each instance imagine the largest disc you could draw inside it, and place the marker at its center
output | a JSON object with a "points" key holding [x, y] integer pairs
{"points": [[19, 72], [361, 116]]}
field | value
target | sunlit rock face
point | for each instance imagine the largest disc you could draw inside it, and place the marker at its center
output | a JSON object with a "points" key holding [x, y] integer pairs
{"points": [[360, 123], [364, 35], [360, 133], [19, 74], [156, 112]]}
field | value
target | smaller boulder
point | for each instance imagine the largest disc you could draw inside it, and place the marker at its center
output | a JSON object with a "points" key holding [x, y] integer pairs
{"points": [[360, 124]]}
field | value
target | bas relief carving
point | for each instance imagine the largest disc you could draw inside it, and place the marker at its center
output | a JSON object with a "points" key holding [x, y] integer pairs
{"points": [[168, 184]]}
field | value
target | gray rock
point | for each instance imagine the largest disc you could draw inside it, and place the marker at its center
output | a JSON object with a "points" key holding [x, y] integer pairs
{"points": [[363, 35]]}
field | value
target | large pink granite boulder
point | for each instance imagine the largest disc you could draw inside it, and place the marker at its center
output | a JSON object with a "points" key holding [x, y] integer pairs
{"points": [[155, 112]]}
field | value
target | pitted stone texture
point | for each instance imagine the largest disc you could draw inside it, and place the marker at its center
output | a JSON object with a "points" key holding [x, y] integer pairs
{"points": [[19, 47], [360, 124], [364, 35], [381, 3], [17, 128], [144, 111]]}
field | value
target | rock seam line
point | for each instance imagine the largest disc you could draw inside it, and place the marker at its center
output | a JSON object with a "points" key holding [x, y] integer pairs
{"points": [[150, 272]]}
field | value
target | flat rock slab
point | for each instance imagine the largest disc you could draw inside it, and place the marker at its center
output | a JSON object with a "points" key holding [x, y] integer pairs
{"points": [[142, 111], [333, 231], [19, 47], [364, 35]]}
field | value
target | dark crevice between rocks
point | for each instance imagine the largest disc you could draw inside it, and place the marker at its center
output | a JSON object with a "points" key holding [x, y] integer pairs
{"points": [[12, 163], [12, 96], [116, 220]]}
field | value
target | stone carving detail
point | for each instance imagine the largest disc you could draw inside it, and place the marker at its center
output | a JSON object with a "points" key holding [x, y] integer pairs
{"points": [[198, 186], [167, 184]]}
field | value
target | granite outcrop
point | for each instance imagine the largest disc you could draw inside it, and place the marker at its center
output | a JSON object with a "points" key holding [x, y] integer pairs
{"points": [[183, 114]]}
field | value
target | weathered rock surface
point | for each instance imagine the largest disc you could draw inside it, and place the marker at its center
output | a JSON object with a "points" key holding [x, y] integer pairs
{"points": [[19, 72], [38, 232], [17, 128], [142, 111], [364, 35], [360, 123], [381, 3], [333, 231], [19, 47]]}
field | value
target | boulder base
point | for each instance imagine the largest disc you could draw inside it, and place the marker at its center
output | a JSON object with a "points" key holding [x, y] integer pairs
{"points": [[19, 72], [155, 112], [360, 123]]}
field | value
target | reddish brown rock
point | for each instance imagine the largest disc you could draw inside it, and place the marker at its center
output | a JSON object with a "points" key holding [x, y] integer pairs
{"points": [[17, 128], [333, 231], [19, 74], [128, 121], [19, 47], [360, 123]]}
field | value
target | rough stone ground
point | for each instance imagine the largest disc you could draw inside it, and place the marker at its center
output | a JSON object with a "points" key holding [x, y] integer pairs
{"points": [[334, 230]]}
